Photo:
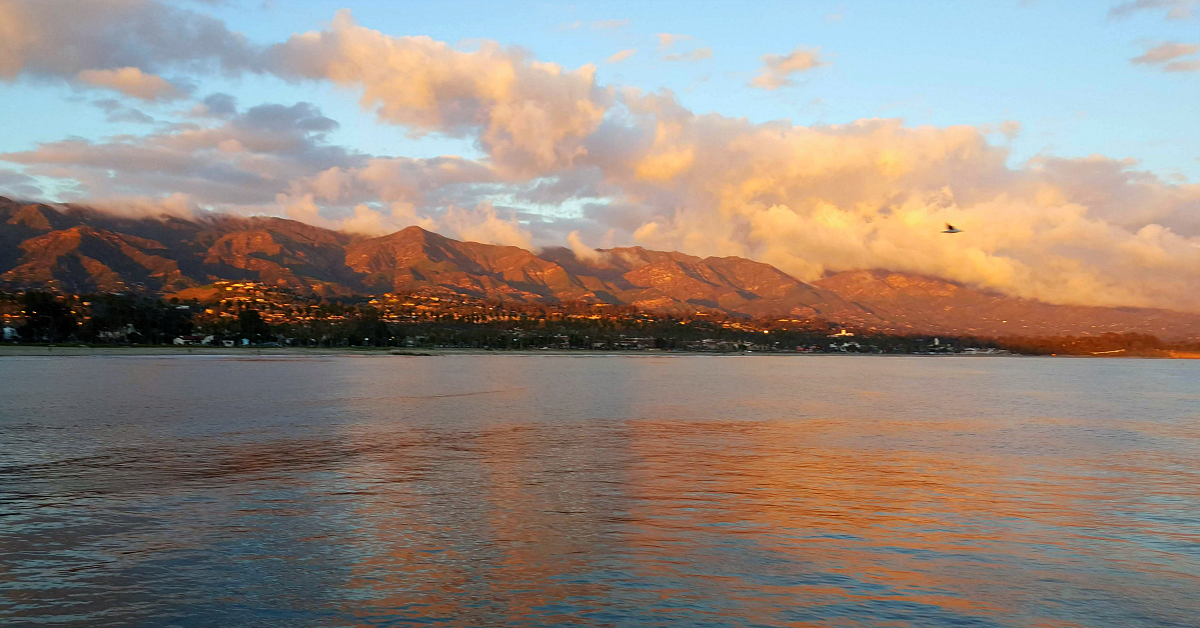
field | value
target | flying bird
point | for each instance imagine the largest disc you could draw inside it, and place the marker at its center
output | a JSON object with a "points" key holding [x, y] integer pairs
{"points": [[950, 229]]}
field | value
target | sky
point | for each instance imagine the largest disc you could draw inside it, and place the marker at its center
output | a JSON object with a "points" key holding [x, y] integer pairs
{"points": [[1062, 137]]}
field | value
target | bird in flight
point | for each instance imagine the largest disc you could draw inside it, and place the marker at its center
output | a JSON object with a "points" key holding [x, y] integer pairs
{"points": [[950, 229]]}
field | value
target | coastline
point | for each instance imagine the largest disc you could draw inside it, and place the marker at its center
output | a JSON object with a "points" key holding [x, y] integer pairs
{"points": [[76, 350]]}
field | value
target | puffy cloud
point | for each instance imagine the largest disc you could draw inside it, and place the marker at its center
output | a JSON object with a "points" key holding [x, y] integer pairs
{"points": [[622, 55], [484, 224], [243, 161], [131, 82], [581, 250], [1176, 9], [423, 185], [875, 193], [778, 69], [68, 40], [529, 116]]}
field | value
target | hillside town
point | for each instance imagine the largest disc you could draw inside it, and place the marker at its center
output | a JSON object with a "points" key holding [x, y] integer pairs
{"points": [[252, 314]]}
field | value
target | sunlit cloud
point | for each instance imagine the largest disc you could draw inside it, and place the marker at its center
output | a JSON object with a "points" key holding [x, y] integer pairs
{"points": [[777, 70], [621, 55], [131, 82], [1166, 57], [1166, 52]]}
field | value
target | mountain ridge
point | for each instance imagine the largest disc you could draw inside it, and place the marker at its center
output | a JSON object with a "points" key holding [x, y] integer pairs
{"points": [[80, 249]]}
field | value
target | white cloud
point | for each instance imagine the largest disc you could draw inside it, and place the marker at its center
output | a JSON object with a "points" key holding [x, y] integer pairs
{"points": [[581, 250]]}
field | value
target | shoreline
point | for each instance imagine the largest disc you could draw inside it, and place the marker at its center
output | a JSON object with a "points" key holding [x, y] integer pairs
{"points": [[73, 350]]}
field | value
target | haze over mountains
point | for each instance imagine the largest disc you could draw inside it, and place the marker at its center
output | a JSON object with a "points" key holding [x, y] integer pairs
{"points": [[83, 250]]}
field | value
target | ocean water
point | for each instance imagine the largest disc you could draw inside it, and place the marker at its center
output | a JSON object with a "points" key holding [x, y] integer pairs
{"points": [[552, 490]]}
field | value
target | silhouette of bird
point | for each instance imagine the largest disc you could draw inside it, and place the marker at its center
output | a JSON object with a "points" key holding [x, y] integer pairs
{"points": [[950, 229]]}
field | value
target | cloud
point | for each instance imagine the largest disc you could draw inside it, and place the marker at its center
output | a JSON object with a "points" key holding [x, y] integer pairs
{"points": [[778, 69], [115, 111], [668, 40], [622, 55], [18, 185], [1182, 66], [1166, 52], [1176, 9], [875, 193], [219, 105], [1010, 129], [529, 115], [610, 24], [238, 163], [484, 224], [131, 82], [178, 205], [1166, 57], [698, 54], [102, 42], [581, 250]]}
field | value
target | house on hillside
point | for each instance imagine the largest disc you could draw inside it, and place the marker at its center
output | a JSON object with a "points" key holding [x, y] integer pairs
{"points": [[194, 340]]}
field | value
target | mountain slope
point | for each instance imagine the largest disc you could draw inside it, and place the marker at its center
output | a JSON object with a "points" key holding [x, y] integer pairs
{"points": [[77, 249], [912, 303]]}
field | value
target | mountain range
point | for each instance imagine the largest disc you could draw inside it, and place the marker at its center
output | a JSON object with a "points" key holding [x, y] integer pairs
{"points": [[77, 249]]}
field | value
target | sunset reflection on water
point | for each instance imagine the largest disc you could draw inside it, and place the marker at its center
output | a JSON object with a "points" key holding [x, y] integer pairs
{"points": [[506, 490]]}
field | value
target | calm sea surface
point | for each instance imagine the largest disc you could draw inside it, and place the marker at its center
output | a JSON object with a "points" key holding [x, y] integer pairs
{"points": [[513, 490]]}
